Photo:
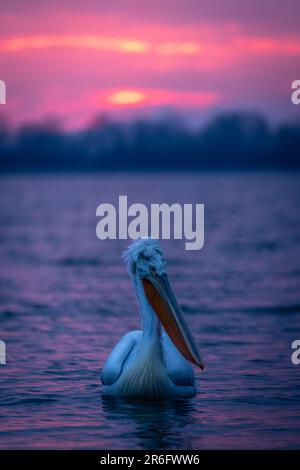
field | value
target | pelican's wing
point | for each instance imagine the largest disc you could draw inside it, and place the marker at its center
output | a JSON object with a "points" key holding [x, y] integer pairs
{"points": [[178, 368], [114, 363]]}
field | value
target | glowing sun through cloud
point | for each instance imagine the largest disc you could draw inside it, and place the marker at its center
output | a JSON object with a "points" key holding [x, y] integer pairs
{"points": [[126, 97]]}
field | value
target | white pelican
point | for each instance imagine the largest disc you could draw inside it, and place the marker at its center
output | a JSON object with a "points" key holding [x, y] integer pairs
{"points": [[151, 363]]}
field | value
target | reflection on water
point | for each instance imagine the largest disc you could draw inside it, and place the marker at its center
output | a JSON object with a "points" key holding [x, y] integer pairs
{"points": [[66, 299], [157, 424]]}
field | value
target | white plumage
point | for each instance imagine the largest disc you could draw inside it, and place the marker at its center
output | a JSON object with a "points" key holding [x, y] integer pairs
{"points": [[146, 363]]}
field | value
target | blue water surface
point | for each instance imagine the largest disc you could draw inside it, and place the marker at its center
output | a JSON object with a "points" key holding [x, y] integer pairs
{"points": [[66, 299]]}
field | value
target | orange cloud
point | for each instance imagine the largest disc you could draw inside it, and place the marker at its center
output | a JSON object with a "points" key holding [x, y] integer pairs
{"points": [[205, 52], [170, 48], [75, 41], [114, 44]]}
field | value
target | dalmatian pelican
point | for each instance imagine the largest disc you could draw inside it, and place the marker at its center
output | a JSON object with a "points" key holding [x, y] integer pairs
{"points": [[153, 362]]}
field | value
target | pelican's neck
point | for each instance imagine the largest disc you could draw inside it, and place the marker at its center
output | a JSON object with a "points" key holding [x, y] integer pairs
{"points": [[150, 323]]}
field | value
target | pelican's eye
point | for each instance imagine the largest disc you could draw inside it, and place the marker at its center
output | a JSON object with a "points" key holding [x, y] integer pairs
{"points": [[152, 270]]}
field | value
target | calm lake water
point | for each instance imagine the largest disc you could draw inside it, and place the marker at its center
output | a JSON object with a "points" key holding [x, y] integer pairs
{"points": [[66, 299]]}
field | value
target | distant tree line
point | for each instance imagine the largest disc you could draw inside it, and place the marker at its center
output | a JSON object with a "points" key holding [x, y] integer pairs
{"points": [[230, 141]]}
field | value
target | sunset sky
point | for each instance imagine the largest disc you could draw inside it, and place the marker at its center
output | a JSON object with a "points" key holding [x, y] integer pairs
{"points": [[128, 58]]}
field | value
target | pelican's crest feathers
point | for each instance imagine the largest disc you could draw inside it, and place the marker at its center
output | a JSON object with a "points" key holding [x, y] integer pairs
{"points": [[143, 247]]}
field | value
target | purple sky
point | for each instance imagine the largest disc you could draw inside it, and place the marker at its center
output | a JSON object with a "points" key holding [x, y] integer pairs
{"points": [[74, 59]]}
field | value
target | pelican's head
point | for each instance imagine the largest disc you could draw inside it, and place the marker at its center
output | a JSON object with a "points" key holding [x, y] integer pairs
{"points": [[143, 257], [145, 261]]}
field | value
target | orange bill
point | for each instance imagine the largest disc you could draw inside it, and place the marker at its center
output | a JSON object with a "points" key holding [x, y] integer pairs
{"points": [[163, 301]]}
